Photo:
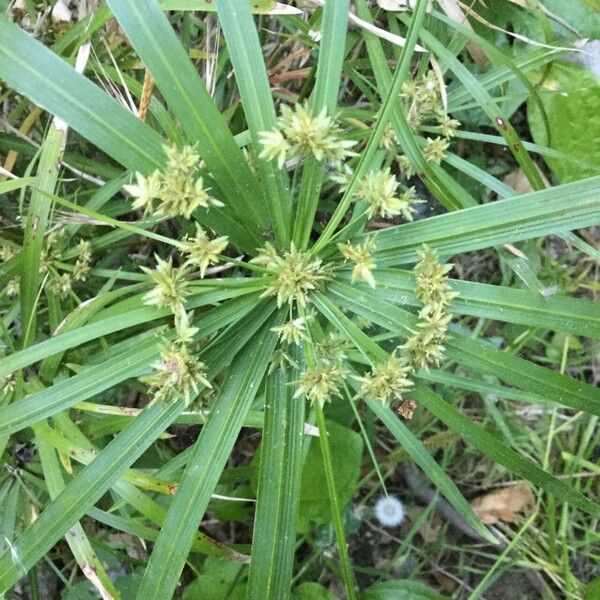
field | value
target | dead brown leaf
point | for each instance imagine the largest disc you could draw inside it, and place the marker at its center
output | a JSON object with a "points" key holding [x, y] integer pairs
{"points": [[504, 504], [518, 181], [446, 583]]}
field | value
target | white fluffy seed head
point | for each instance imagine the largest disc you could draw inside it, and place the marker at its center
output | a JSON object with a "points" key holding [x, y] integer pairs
{"points": [[389, 511]]}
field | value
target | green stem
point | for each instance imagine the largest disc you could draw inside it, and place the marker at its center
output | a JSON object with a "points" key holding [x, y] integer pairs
{"points": [[335, 506]]}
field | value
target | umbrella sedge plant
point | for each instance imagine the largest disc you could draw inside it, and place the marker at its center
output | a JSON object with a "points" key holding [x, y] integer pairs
{"points": [[267, 295]]}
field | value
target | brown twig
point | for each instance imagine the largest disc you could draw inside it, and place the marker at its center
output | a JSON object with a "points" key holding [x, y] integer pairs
{"points": [[147, 90]]}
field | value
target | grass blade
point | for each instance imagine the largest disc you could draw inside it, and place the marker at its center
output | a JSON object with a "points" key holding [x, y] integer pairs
{"points": [[83, 491], [500, 452], [336, 513], [29, 67], [204, 468], [157, 45], [36, 225], [245, 54], [562, 208], [273, 545], [324, 97], [76, 538]]}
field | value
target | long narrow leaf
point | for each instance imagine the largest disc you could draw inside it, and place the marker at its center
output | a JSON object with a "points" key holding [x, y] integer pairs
{"points": [[160, 49], [324, 97], [562, 208], [29, 67], [499, 451], [83, 491], [273, 545], [251, 77], [204, 468]]}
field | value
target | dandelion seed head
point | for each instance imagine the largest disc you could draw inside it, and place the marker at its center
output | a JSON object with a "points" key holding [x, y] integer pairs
{"points": [[389, 511]]}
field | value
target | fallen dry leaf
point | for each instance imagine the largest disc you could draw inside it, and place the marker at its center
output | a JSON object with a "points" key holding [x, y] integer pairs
{"points": [[518, 181], [446, 584], [503, 504]]}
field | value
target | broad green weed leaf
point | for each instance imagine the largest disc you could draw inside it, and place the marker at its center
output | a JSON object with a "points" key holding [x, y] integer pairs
{"points": [[346, 451], [401, 589], [311, 591], [572, 101], [218, 580]]}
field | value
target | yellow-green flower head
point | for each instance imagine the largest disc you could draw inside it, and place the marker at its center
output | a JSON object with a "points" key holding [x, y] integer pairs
{"points": [[280, 361], [202, 251], [274, 146], [406, 168], [299, 134], [175, 191], [180, 196], [177, 375], [84, 258], [378, 190], [267, 256], [6, 253], [362, 256], [332, 348], [389, 139], [432, 286], [448, 126], [60, 285], [425, 347], [13, 287], [145, 190], [435, 149], [388, 381], [185, 159], [54, 245], [292, 332], [321, 383], [296, 274], [171, 286]]}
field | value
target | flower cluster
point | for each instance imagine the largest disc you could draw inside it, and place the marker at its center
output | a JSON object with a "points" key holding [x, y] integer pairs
{"points": [[294, 274], [59, 278], [176, 190], [177, 375], [202, 251], [426, 346], [293, 332], [320, 383], [84, 258], [378, 190], [12, 287], [423, 104], [362, 257], [423, 99], [299, 134], [431, 280], [171, 286], [388, 381]]}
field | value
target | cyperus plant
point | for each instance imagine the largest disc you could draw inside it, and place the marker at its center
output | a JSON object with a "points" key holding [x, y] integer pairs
{"points": [[271, 293]]}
